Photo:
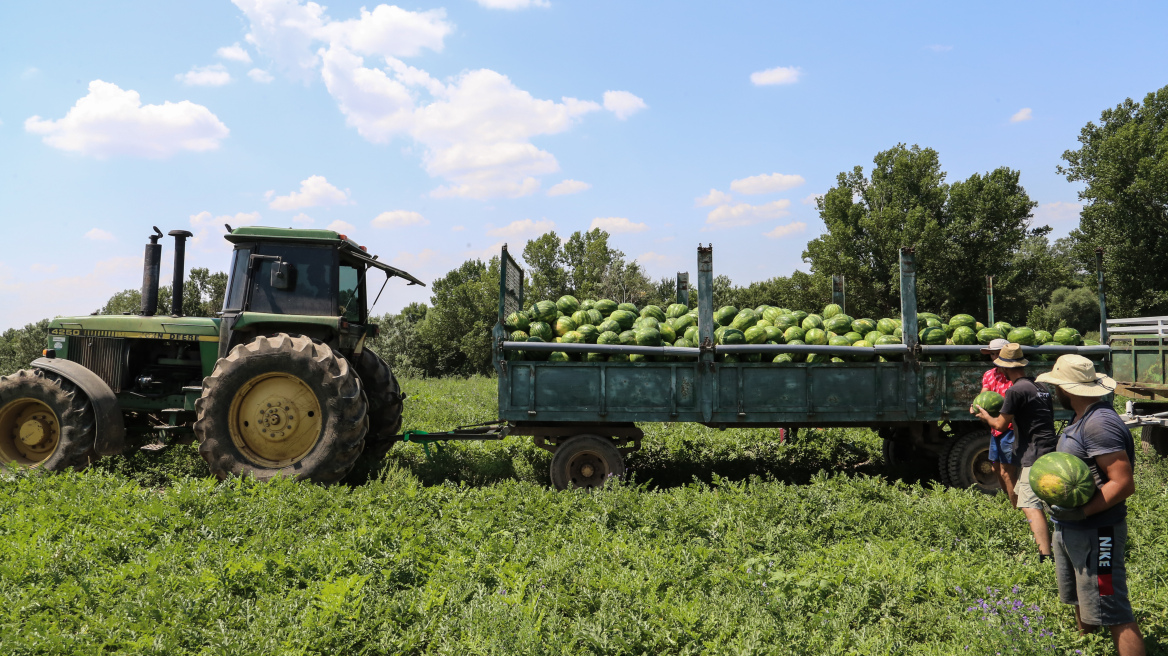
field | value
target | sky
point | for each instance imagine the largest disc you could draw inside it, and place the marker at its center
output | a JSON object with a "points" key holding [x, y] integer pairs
{"points": [[434, 133]]}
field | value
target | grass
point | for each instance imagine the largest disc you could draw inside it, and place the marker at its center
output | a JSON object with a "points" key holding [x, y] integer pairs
{"points": [[723, 542]]}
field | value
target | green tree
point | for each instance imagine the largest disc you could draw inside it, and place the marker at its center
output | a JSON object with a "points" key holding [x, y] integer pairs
{"points": [[961, 232], [20, 346], [463, 310], [203, 294], [583, 265], [546, 277], [400, 345], [1123, 161]]}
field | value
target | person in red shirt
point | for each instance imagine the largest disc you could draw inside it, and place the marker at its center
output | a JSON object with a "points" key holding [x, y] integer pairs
{"points": [[1002, 457]]}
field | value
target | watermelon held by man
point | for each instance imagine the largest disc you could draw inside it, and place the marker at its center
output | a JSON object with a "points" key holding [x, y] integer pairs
{"points": [[990, 401], [1062, 479]]}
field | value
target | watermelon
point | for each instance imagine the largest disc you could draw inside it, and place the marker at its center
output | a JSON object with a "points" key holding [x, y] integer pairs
{"points": [[628, 307], [572, 337], [796, 357], [853, 337], [1062, 479], [541, 330], [964, 336], [962, 320], [794, 333], [898, 333], [990, 401], [609, 325], [725, 314], [772, 314], [744, 319], [563, 325], [684, 321], [559, 356], [589, 332], [1003, 327], [683, 343], [839, 324], [839, 340], [831, 310], [732, 336], [718, 333], [863, 326], [653, 311], [785, 321], [812, 321], [594, 317], [886, 326], [864, 357], [608, 337], [1067, 337], [818, 358], [628, 338], [730, 358], [691, 333], [924, 316], [1022, 336], [637, 357], [517, 321], [618, 357], [872, 336], [933, 323], [580, 317], [534, 355], [594, 357], [1042, 337], [648, 337], [773, 334], [544, 311], [567, 304], [978, 327], [799, 315], [645, 322], [668, 334], [755, 335], [519, 336], [783, 358], [676, 310], [624, 318], [605, 306], [587, 304], [933, 336], [987, 335], [815, 336]]}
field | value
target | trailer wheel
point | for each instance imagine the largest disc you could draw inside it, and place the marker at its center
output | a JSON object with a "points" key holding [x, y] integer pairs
{"points": [[943, 461], [1154, 439], [46, 422], [282, 406], [969, 463], [385, 402], [586, 462]]}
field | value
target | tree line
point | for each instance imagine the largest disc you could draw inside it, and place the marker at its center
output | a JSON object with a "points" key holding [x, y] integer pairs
{"points": [[962, 231]]}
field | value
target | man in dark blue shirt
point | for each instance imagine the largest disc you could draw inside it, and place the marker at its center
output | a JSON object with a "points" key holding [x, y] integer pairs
{"points": [[1089, 541]]}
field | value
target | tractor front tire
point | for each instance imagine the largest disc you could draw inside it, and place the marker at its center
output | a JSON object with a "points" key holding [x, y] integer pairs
{"points": [[385, 402], [285, 405], [46, 422]]}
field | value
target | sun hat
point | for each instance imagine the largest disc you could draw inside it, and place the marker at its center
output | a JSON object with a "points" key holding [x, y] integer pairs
{"points": [[1010, 357], [1076, 375], [995, 345]]}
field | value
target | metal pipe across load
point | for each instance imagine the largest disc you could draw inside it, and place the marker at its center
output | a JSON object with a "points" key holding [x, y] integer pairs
{"points": [[1026, 350], [611, 349], [885, 349]]}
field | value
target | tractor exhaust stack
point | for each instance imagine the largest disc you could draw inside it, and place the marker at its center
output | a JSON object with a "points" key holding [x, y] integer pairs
{"points": [[151, 262], [176, 287]]}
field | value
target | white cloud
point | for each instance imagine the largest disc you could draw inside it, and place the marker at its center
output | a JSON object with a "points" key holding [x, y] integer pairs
{"points": [[715, 197], [513, 4], [1057, 211], [30, 72], [623, 103], [766, 184], [205, 76], [784, 230], [315, 191], [399, 219], [617, 225], [40, 267], [1023, 114], [110, 121], [777, 75], [342, 226], [419, 260], [303, 219], [664, 240], [656, 258], [742, 214], [458, 228], [475, 129], [234, 52], [209, 229], [97, 234], [936, 47], [260, 75], [568, 187], [523, 228], [811, 199]]}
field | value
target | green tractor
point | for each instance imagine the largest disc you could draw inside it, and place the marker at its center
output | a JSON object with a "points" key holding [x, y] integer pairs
{"points": [[280, 384]]}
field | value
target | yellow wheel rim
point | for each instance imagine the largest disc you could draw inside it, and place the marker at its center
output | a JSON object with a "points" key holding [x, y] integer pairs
{"points": [[275, 419], [29, 432]]}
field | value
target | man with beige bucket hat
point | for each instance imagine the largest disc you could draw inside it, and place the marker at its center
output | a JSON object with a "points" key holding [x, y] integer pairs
{"points": [[1030, 408], [1089, 541]]}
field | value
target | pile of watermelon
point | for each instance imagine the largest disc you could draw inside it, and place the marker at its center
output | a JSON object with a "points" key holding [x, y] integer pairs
{"points": [[568, 320]]}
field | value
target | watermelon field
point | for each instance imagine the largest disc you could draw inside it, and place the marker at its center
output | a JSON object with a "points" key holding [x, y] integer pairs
{"points": [[731, 542]]}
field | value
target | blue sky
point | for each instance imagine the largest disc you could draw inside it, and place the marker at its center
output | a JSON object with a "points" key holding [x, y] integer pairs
{"points": [[436, 132]]}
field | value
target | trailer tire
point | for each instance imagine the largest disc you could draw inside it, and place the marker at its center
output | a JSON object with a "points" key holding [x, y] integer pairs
{"points": [[969, 463], [1154, 439], [586, 462], [39, 403], [386, 402], [286, 405], [943, 461]]}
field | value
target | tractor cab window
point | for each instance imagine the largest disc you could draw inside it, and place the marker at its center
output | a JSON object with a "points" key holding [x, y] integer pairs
{"points": [[350, 292], [237, 285], [311, 288]]}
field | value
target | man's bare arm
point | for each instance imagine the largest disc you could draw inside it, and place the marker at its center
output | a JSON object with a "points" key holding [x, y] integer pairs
{"points": [[1120, 482]]}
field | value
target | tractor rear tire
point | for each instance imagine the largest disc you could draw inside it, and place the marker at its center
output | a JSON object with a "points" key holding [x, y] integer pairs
{"points": [[46, 422], [969, 463], [385, 402], [586, 462], [285, 405]]}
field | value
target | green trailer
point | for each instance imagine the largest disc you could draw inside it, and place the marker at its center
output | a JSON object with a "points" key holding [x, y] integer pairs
{"points": [[587, 413], [1139, 348]]}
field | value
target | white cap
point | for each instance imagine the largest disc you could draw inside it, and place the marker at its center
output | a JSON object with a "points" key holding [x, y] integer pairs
{"points": [[995, 345]]}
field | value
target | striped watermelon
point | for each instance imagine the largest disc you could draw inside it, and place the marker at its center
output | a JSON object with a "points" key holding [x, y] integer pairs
{"points": [[1061, 479], [990, 401]]}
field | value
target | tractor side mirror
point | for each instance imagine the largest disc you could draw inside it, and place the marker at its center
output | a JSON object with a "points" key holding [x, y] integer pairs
{"points": [[282, 273]]}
